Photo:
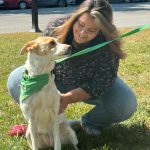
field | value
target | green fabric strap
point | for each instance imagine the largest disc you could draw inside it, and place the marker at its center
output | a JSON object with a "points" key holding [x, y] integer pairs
{"points": [[32, 84], [90, 49]]}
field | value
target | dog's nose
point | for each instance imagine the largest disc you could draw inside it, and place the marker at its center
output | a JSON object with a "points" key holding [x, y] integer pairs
{"points": [[69, 47], [68, 51]]}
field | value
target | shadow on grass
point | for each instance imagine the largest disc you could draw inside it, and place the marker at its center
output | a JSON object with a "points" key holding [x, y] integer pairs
{"points": [[117, 137]]}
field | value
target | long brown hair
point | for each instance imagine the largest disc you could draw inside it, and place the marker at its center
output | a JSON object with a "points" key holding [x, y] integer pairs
{"points": [[102, 13]]}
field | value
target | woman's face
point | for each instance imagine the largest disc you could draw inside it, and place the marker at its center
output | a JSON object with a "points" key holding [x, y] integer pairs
{"points": [[85, 30]]}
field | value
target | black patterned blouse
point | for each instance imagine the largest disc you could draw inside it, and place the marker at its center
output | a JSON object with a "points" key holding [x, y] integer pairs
{"points": [[94, 72]]}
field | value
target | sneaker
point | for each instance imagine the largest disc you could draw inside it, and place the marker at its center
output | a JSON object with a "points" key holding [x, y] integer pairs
{"points": [[92, 131]]}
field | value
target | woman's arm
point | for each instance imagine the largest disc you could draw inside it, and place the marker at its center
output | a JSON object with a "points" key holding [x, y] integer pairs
{"points": [[106, 69], [73, 96]]}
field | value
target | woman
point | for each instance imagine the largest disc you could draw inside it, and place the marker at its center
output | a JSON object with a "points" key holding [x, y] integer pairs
{"points": [[92, 77]]}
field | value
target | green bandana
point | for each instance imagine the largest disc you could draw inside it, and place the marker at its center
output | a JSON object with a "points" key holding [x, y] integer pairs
{"points": [[32, 84]]}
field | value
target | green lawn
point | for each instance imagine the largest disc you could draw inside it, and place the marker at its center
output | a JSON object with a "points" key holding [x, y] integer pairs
{"points": [[133, 134]]}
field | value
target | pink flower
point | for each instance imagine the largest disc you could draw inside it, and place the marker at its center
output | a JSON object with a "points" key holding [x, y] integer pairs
{"points": [[17, 130]]}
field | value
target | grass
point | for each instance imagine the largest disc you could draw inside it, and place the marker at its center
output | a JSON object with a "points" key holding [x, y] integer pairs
{"points": [[132, 134]]}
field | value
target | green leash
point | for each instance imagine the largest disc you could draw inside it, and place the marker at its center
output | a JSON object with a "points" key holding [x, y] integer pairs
{"points": [[92, 48], [30, 85]]}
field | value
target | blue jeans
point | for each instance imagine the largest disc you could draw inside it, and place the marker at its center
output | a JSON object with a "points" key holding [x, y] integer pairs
{"points": [[116, 105]]}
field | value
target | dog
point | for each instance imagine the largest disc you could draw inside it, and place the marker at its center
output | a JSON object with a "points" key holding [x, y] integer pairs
{"points": [[46, 127]]}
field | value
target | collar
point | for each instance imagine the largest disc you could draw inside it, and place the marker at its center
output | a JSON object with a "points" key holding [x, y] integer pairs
{"points": [[32, 84]]}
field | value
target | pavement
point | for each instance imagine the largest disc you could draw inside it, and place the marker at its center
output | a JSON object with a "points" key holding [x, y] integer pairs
{"points": [[125, 15]]}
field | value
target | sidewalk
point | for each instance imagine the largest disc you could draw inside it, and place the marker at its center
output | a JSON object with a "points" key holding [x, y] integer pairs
{"points": [[125, 15]]}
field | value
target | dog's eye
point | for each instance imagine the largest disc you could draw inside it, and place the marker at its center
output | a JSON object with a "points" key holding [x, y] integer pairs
{"points": [[52, 43]]}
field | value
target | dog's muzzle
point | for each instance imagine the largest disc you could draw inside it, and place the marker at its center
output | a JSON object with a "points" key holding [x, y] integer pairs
{"points": [[68, 51]]}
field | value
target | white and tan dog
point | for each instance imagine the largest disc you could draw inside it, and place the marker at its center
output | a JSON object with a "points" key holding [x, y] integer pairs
{"points": [[46, 128]]}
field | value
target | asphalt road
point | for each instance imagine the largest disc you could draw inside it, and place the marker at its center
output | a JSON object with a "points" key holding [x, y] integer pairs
{"points": [[125, 15]]}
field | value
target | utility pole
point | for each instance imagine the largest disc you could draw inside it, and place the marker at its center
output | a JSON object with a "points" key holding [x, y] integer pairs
{"points": [[35, 27]]}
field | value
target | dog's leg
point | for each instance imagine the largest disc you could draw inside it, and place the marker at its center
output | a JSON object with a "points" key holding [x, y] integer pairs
{"points": [[28, 137], [32, 129], [57, 143], [68, 136], [73, 138]]}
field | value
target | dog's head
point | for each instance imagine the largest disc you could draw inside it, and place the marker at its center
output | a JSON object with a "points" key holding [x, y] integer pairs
{"points": [[46, 46]]}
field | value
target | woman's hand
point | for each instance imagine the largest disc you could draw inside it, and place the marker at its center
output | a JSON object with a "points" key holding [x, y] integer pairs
{"points": [[72, 96]]}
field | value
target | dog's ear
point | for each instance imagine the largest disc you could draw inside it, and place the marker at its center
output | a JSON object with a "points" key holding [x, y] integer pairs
{"points": [[28, 47]]}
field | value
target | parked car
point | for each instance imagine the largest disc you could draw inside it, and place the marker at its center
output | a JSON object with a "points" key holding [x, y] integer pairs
{"points": [[48, 3], [1, 3], [78, 2], [126, 1], [71, 2], [21, 4]]}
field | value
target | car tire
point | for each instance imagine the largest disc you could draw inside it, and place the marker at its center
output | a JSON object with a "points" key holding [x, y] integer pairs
{"points": [[22, 5], [128, 1], [61, 3]]}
